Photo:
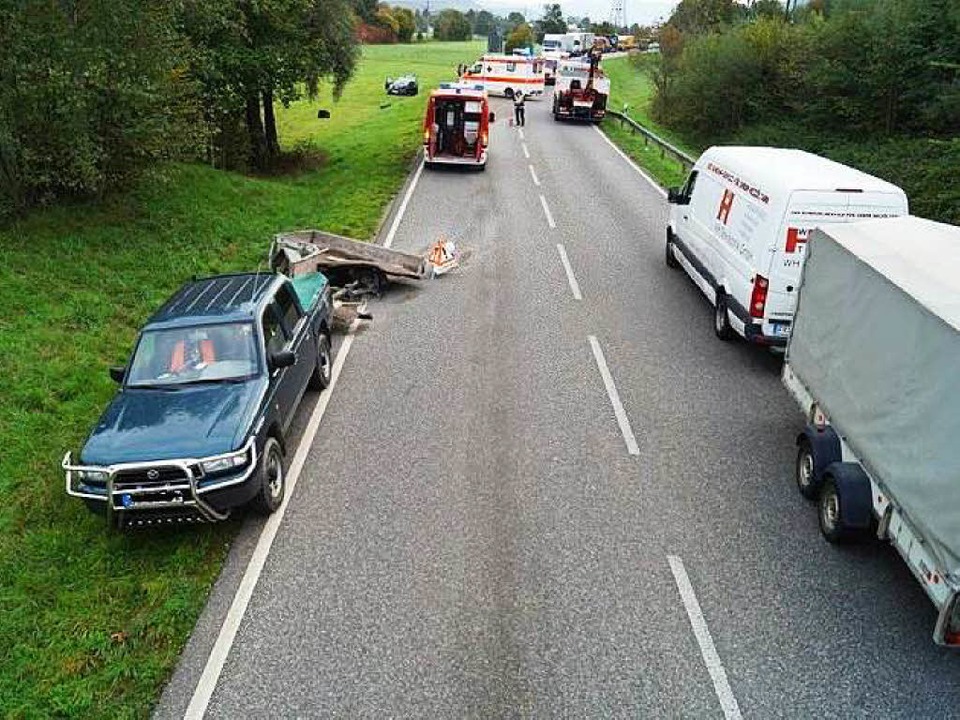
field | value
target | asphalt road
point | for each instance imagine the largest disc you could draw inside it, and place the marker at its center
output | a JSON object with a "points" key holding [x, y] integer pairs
{"points": [[489, 525]]}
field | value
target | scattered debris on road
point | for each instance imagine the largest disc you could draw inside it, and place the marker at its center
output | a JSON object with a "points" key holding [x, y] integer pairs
{"points": [[443, 257]]}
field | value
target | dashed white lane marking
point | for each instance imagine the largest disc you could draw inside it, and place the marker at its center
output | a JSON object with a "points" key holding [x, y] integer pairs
{"points": [[621, 153], [728, 703], [546, 211], [520, 132], [533, 174], [231, 624], [574, 286], [388, 241], [622, 420], [526, 153]]}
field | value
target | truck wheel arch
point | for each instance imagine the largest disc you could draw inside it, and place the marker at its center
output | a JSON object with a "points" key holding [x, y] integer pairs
{"points": [[856, 496], [824, 449]]}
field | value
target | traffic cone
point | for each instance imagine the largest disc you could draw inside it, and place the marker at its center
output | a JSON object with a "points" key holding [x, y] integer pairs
{"points": [[442, 257]]}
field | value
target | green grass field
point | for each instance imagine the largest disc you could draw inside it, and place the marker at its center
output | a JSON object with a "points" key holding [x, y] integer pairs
{"points": [[91, 624]]}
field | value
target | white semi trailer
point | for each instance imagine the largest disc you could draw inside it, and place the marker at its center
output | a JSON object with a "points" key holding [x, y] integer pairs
{"points": [[873, 361]]}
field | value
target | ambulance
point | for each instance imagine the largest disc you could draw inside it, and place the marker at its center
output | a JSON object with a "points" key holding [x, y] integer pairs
{"points": [[740, 223], [508, 74], [456, 127]]}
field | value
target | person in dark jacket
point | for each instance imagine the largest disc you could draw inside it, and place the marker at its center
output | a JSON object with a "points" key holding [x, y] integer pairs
{"points": [[518, 109]]}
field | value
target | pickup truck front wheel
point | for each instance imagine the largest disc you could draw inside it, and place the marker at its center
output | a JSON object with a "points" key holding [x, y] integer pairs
{"points": [[272, 479], [320, 379]]}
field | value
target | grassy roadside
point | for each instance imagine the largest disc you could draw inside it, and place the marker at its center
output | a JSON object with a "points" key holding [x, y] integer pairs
{"points": [[91, 623]]}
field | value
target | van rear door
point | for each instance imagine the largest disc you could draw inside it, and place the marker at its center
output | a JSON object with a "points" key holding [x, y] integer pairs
{"points": [[806, 210]]}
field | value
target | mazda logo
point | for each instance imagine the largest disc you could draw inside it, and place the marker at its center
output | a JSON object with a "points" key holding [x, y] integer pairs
{"points": [[153, 474]]}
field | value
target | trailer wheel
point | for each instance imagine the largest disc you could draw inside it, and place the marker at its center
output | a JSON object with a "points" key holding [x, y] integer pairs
{"points": [[830, 512], [271, 477], [721, 318], [806, 471], [672, 261]]}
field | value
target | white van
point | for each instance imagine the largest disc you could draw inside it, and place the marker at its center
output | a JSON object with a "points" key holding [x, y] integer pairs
{"points": [[740, 223]]}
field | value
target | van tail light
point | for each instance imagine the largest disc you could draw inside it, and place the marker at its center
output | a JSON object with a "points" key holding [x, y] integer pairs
{"points": [[758, 298]]}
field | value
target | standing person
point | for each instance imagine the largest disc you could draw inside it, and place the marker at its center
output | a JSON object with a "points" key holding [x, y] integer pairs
{"points": [[518, 109]]}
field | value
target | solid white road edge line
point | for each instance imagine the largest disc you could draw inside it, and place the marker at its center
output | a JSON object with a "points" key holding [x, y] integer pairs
{"points": [[574, 286], [731, 710], [533, 174], [526, 153], [614, 396], [403, 207], [546, 211], [621, 153], [231, 624]]}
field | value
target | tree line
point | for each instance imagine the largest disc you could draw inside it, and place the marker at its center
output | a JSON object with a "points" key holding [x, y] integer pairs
{"points": [[855, 67], [92, 92]]}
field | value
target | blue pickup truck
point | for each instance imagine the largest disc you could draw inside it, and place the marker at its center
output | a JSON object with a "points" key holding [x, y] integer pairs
{"points": [[197, 426]]}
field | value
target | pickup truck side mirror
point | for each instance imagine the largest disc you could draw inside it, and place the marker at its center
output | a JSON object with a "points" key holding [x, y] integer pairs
{"points": [[675, 196], [282, 359], [117, 372]]}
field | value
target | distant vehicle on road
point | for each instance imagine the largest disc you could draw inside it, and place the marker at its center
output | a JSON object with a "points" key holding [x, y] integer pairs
{"points": [[506, 74], [558, 42], [405, 85], [579, 93], [456, 126], [626, 42], [739, 228], [872, 362], [197, 426]]}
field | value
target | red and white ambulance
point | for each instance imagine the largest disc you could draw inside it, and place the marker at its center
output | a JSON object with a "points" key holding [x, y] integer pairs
{"points": [[456, 127], [508, 74]]}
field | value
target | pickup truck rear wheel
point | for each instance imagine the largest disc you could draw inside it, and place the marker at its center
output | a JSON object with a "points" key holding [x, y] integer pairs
{"points": [[320, 379], [272, 477]]}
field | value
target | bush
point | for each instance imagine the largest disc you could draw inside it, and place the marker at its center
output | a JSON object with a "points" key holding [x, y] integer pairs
{"points": [[452, 25]]}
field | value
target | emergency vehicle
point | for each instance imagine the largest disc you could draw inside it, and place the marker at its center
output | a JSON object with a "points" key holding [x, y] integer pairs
{"points": [[508, 74], [456, 127], [581, 91]]}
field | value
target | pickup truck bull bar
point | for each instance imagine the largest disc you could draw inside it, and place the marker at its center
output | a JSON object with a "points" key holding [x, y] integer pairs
{"points": [[123, 495]]}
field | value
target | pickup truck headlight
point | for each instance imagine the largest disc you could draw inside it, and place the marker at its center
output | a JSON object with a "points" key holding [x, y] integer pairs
{"points": [[91, 476], [228, 462]]}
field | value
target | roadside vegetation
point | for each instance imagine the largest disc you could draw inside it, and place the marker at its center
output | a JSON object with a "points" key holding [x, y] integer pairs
{"points": [[92, 623], [870, 83]]}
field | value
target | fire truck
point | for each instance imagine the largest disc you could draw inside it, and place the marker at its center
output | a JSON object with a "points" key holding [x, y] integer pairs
{"points": [[581, 89], [456, 127], [508, 74]]}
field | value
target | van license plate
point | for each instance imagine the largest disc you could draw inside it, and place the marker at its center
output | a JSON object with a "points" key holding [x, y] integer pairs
{"points": [[781, 330]]}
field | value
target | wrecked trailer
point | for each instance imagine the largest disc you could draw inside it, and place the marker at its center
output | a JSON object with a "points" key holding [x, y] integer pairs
{"points": [[357, 268]]}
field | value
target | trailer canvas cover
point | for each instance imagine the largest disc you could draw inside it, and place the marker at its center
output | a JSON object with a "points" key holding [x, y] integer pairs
{"points": [[877, 342]]}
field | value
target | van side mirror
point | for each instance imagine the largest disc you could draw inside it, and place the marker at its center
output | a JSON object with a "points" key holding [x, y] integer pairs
{"points": [[493, 116], [675, 196], [117, 372], [282, 359]]}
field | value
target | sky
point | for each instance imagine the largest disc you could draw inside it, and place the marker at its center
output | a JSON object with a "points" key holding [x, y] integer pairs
{"points": [[637, 11]]}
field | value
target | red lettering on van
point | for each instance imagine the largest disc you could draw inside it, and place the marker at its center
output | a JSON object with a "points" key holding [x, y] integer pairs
{"points": [[794, 238], [725, 204]]}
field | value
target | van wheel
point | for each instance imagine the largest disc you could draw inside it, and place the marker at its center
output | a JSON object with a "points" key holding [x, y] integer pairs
{"points": [[508, 93], [672, 261], [721, 318], [271, 477]]}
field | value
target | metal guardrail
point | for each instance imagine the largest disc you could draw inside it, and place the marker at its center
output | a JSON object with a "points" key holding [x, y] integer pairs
{"points": [[686, 161]]}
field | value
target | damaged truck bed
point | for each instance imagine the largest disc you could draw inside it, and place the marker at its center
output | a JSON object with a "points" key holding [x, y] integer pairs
{"points": [[356, 268]]}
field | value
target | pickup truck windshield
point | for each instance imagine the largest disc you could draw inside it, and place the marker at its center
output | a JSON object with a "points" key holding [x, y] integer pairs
{"points": [[207, 353]]}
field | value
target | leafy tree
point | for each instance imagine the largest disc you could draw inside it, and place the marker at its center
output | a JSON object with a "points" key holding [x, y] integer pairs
{"points": [[696, 17], [552, 21], [452, 25], [514, 19], [366, 9], [484, 23], [406, 23], [604, 28], [520, 37]]}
